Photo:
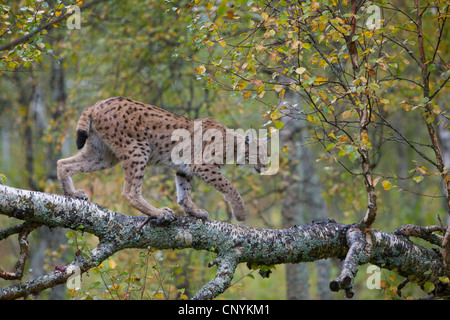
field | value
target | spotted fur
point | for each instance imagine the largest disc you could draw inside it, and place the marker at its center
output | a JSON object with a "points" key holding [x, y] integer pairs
{"points": [[137, 134]]}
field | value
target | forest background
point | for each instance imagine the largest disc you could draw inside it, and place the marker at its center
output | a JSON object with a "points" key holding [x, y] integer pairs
{"points": [[242, 64]]}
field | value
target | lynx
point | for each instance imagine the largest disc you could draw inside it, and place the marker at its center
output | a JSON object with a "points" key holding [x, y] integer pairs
{"points": [[137, 134]]}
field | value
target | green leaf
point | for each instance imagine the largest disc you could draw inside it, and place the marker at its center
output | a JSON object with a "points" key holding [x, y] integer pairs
{"points": [[278, 124], [353, 156], [331, 145], [418, 179], [306, 45]]}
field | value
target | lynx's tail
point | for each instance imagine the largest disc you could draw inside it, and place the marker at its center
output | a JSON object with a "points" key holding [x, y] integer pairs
{"points": [[83, 126]]}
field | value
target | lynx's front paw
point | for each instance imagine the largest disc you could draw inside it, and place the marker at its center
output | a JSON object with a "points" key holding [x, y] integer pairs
{"points": [[80, 194], [165, 215]]}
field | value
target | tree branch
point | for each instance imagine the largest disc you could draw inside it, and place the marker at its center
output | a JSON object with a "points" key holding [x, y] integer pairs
{"points": [[233, 244], [356, 255], [44, 26], [226, 265]]}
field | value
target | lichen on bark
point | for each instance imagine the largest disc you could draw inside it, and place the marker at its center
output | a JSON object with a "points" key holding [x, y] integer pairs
{"points": [[233, 244]]}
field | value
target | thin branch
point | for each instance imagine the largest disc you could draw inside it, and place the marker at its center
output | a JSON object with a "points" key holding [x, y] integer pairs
{"points": [[24, 231], [45, 26], [426, 233]]}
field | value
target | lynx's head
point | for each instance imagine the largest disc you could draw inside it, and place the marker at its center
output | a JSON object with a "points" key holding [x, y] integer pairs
{"points": [[255, 152]]}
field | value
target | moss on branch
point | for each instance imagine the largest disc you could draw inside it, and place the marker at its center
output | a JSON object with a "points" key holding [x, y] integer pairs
{"points": [[233, 244]]}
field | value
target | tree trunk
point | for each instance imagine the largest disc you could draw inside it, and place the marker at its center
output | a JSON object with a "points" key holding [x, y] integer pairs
{"points": [[302, 202]]}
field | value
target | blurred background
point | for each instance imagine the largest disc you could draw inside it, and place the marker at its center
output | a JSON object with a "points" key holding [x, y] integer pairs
{"points": [[144, 50]]}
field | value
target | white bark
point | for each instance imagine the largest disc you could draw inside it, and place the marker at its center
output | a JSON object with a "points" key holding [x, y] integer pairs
{"points": [[233, 244]]}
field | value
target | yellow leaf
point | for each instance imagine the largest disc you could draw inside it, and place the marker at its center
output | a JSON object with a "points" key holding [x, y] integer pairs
{"points": [[423, 170], [300, 70], [222, 43], [57, 13], [368, 34], [275, 115], [384, 101], [365, 138], [347, 114], [200, 70], [285, 148], [158, 295], [332, 135], [246, 94], [112, 264], [322, 27], [313, 118], [387, 185], [242, 85], [183, 297], [321, 36], [320, 80]]}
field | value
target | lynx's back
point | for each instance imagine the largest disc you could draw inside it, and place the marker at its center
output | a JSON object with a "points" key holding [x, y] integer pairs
{"points": [[136, 134]]}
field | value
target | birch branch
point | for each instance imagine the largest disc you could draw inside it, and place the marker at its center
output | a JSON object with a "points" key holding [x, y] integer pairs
{"points": [[233, 244]]}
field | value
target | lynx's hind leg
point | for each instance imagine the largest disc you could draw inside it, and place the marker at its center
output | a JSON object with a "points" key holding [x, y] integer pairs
{"points": [[94, 156], [183, 183]]}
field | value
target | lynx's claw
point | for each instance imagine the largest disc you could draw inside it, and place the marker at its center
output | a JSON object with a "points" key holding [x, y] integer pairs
{"points": [[166, 216]]}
